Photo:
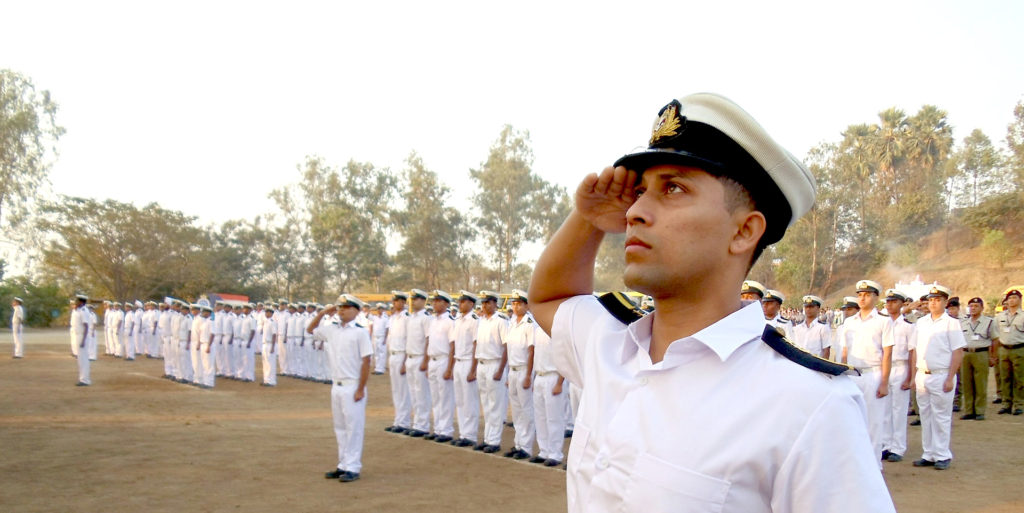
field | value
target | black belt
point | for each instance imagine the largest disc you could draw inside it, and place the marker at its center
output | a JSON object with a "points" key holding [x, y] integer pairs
{"points": [[977, 349], [1015, 346]]}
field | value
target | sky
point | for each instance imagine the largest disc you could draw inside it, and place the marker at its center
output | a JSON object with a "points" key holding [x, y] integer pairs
{"points": [[205, 107]]}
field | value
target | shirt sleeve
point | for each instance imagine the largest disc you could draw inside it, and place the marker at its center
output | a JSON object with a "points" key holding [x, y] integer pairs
{"points": [[993, 330], [956, 336], [573, 326], [320, 333], [365, 347]]}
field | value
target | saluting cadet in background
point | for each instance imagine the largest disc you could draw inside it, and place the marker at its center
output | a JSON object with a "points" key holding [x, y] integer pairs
{"points": [[17, 331], [811, 335], [80, 330], [771, 305], [492, 358], [901, 377], [440, 361], [939, 348], [348, 349], [869, 350], [550, 393], [395, 337], [417, 326], [467, 398], [519, 344], [270, 339], [1011, 354], [982, 340]]}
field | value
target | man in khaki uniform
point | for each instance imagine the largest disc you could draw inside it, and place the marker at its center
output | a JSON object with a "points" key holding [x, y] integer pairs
{"points": [[1011, 354], [982, 340]]}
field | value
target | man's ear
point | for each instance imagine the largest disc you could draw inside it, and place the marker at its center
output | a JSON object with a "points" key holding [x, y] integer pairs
{"points": [[750, 227]]}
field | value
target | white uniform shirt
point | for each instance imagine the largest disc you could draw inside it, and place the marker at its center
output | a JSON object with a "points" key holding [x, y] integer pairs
{"points": [[644, 443], [79, 322], [282, 325], [464, 333], [346, 346], [247, 325], [543, 352], [269, 330], [490, 336], [901, 331], [935, 340], [379, 327], [397, 331], [439, 337], [204, 330], [116, 317], [814, 338], [520, 340], [785, 324], [296, 325], [195, 329], [417, 325], [164, 323], [139, 324], [865, 338], [17, 317], [129, 323]]}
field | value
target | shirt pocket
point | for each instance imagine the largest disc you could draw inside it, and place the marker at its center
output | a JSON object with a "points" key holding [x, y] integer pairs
{"points": [[657, 485]]}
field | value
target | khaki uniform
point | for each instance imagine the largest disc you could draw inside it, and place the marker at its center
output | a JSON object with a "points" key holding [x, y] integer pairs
{"points": [[974, 371], [1011, 358]]}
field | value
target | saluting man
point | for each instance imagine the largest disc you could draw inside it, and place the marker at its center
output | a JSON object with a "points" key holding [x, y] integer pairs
{"points": [[467, 399], [348, 348], [17, 320], [939, 348], [492, 359], [440, 361], [811, 335]]}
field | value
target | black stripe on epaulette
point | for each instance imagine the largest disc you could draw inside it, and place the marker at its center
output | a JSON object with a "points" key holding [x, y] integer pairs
{"points": [[776, 339], [620, 307]]}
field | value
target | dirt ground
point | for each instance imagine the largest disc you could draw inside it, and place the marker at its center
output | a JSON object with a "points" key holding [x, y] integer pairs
{"points": [[136, 442]]}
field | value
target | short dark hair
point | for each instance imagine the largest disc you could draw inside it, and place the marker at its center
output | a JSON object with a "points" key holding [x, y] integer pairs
{"points": [[738, 196]]}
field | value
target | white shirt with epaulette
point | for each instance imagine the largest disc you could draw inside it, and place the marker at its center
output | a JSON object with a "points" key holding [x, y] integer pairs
{"points": [[792, 439], [416, 328], [814, 338], [464, 333], [346, 344], [490, 336], [397, 330], [439, 335], [865, 339], [520, 339], [935, 340], [901, 331]]}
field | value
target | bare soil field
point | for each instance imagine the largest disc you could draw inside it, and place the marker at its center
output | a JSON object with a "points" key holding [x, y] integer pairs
{"points": [[136, 442]]}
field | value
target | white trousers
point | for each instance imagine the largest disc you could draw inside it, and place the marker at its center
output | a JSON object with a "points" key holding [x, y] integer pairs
{"points": [[185, 360], [442, 396], [282, 355], [467, 400], [74, 344], [493, 399], [109, 340], [220, 343], [936, 415], [247, 369], [349, 425], [419, 392], [91, 344], [521, 401], [549, 412], [878, 409], [400, 396], [269, 364], [380, 354], [83, 364], [209, 361], [899, 403], [169, 350], [19, 341]]}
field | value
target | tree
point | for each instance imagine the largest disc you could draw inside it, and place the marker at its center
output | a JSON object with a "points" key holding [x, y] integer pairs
{"points": [[1015, 145], [515, 205], [436, 236], [28, 138], [976, 171]]}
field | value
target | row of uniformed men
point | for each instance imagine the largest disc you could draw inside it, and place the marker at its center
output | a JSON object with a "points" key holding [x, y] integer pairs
{"points": [[445, 367], [900, 351]]}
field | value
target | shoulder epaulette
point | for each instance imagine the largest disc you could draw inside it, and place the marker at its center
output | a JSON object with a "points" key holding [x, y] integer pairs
{"points": [[621, 307], [529, 320], [474, 316], [908, 321], [822, 321], [360, 325], [776, 339], [783, 319], [452, 317], [503, 316]]}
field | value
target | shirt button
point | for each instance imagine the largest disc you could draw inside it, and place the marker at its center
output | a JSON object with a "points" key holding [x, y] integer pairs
{"points": [[602, 461], [643, 381]]}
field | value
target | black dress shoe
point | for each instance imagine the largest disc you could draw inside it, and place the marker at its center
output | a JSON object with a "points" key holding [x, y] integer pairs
{"points": [[462, 442], [956, 408], [942, 464], [551, 463], [520, 455], [334, 474], [348, 477], [968, 416], [911, 413], [431, 436], [443, 439], [479, 447], [389, 429], [1018, 411], [915, 422], [885, 455], [567, 434], [1004, 411], [81, 384], [980, 417], [924, 463], [512, 452], [893, 457], [415, 433], [491, 449], [509, 424], [537, 459], [998, 400]]}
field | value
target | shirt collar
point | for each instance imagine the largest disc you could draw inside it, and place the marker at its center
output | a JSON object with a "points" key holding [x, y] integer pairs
{"points": [[723, 337]]}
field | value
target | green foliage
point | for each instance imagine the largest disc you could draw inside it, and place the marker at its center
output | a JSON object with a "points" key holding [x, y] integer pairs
{"points": [[515, 205], [610, 263], [976, 171], [997, 247], [41, 302], [995, 213], [28, 138], [1015, 145]]}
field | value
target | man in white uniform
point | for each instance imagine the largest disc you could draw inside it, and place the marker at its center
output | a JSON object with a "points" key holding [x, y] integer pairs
{"points": [[491, 370], [208, 347], [467, 398], [396, 364], [938, 344], [440, 366], [91, 342], [550, 401], [348, 350], [810, 335], [698, 207], [868, 348], [246, 347], [417, 326], [17, 320], [270, 339], [378, 331], [284, 315], [772, 305], [901, 378], [80, 331], [128, 327], [163, 329], [519, 344]]}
